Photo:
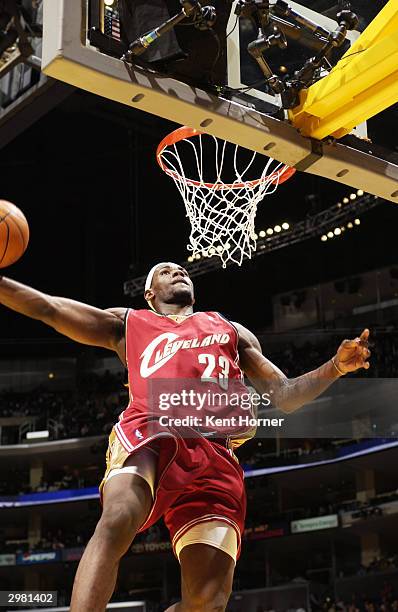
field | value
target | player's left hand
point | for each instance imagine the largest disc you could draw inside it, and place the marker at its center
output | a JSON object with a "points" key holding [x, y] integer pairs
{"points": [[352, 355]]}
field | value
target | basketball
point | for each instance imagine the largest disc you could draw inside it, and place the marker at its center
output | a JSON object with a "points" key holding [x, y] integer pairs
{"points": [[14, 233]]}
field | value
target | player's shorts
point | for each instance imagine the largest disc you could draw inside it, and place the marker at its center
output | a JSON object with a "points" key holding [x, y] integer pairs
{"points": [[198, 489]]}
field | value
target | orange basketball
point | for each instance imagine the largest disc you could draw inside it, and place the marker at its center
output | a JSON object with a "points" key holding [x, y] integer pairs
{"points": [[14, 233]]}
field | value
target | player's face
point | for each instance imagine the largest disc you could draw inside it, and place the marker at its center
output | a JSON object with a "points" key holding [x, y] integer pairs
{"points": [[172, 285]]}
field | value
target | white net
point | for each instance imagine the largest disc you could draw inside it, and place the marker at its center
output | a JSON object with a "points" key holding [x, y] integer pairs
{"points": [[221, 211]]}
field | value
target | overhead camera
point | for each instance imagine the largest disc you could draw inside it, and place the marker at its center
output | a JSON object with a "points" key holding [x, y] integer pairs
{"points": [[278, 23], [201, 18]]}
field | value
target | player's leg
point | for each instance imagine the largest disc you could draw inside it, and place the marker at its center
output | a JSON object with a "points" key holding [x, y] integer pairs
{"points": [[127, 499], [205, 526], [206, 579]]}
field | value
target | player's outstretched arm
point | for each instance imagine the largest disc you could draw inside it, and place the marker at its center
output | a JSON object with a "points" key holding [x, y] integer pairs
{"points": [[80, 322], [289, 394]]}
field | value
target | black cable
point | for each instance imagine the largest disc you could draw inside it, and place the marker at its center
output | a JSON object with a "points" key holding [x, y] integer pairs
{"points": [[246, 87], [351, 54], [235, 24]]}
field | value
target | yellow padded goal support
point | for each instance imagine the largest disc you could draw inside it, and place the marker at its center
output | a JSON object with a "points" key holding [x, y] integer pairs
{"points": [[363, 83]]}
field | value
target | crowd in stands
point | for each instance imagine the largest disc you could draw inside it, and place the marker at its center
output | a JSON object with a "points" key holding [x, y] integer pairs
{"points": [[385, 601], [296, 358], [299, 450], [16, 481], [88, 410]]}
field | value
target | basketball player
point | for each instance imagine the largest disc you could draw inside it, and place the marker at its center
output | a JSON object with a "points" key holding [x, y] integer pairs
{"points": [[194, 482]]}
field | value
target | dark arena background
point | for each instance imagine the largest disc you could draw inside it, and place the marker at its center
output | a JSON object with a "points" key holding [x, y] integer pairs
{"points": [[322, 520]]}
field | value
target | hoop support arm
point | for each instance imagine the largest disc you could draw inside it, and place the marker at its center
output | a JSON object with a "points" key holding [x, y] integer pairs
{"points": [[363, 83]]}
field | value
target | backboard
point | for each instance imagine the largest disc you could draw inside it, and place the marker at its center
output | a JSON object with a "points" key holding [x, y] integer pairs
{"points": [[248, 118]]}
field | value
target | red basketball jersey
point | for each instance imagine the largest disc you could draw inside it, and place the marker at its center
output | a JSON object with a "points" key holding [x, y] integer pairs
{"points": [[160, 351]]}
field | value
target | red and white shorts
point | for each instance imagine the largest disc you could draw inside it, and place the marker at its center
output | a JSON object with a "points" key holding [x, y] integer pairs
{"points": [[197, 487]]}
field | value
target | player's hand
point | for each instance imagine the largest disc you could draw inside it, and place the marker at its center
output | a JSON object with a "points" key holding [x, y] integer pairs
{"points": [[352, 355]]}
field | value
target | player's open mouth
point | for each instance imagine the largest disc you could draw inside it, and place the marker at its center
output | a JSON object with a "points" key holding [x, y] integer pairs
{"points": [[180, 280]]}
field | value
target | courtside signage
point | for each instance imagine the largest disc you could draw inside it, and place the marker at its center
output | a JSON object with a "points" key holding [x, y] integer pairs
{"points": [[39, 557], [8, 559], [314, 524]]}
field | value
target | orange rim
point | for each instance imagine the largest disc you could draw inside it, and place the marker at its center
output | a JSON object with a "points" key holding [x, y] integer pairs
{"points": [[184, 132]]}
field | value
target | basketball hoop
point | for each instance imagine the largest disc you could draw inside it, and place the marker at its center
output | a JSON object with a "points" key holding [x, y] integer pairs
{"points": [[221, 208]]}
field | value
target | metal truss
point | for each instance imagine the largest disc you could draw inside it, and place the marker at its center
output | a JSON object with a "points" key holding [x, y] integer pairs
{"points": [[310, 227]]}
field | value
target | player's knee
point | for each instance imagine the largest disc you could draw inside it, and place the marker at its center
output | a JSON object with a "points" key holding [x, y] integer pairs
{"points": [[207, 601], [118, 521]]}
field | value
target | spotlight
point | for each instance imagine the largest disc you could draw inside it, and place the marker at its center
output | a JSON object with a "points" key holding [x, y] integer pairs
{"points": [[282, 69], [342, 228], [219, 249], [339, 204], [359, 193], [51, 375], [109, 2], [353, 196], [277, 229], [330, 234], [255, 236], [285, 226], [270, 231], [190, 259], [212, 251], [345, 200], [228, 246], [349, 225], [262, 234], [324, 238], [197, 256], [337, 231], [357, 222]]}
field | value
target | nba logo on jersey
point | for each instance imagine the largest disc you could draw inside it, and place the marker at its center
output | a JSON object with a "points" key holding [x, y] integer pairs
{"points": [[138, 434]]}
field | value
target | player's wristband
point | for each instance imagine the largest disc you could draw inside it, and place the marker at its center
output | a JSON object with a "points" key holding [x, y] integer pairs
{"points": [[337, 368]]}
